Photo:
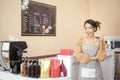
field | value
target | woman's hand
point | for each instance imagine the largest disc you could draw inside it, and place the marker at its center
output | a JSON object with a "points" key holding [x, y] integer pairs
{"points": [[101, 37], [93, 57]]}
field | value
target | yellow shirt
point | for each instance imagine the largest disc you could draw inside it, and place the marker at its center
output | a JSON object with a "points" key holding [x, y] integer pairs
{"points": [[84, 58]]}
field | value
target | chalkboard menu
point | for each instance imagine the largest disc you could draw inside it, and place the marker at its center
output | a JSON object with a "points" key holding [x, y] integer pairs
{"points": [[38, 19]]}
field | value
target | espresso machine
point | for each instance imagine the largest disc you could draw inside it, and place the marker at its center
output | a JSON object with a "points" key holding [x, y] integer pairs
{"points": [[11, 53]]}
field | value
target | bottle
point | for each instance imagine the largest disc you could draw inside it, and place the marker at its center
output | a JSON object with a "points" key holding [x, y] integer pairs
{"points": [[63, 71], [25, 68], [109, 44], [43, 29], [37, 69], [21, 67], [28, 67], [32, 68]]}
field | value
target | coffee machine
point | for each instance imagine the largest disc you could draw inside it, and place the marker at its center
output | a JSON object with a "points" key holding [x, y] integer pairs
{"points": [[11, 53]]}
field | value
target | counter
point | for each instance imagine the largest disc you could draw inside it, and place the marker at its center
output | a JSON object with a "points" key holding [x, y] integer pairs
{"points": [[5, 75], [72, 67], [108, 65]]}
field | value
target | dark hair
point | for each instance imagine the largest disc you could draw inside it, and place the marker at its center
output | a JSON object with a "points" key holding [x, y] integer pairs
{"points": [[95, 24]]}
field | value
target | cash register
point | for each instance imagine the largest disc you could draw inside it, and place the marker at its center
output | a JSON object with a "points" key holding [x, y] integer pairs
{"points": [[11, 53]]}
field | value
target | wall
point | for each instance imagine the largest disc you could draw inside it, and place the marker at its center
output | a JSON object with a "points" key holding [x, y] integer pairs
{"points": [[70, 17], [108, 13]]}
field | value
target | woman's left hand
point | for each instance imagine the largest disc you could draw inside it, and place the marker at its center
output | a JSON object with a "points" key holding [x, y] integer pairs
{"points": [[93, 57]]}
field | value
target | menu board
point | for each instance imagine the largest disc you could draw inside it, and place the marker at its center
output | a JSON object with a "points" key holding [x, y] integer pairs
{"points": [[38, 19]]}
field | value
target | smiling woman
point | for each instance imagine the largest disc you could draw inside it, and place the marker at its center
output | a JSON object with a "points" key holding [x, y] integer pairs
{"points": [[90, 51], [91, 26]]}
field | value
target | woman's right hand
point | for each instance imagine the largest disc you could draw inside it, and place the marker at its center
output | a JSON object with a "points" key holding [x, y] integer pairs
{"points": [[93, 57]]}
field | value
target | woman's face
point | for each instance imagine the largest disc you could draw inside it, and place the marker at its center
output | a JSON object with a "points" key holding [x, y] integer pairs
{"points": [[89, 30]]}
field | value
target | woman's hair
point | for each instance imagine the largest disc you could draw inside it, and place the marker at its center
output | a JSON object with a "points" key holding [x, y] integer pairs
{"points": [[94, 24]]}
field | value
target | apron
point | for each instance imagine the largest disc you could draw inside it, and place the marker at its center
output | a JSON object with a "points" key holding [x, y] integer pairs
{"points": [[87, 73], [91, 70]]}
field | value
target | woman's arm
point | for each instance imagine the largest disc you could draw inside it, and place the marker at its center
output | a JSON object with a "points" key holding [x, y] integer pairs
{"points": [[101, 55], [81, 57]]}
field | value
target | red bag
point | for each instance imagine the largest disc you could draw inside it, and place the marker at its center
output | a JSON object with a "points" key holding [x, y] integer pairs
{"points": [[55, 68], [66, 51]]}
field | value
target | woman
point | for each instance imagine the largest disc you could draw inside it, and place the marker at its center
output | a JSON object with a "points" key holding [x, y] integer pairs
{"points": [[90, 51]]}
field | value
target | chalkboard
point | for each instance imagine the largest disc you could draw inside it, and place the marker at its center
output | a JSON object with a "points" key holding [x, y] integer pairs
{"points": [[38, 19]]}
